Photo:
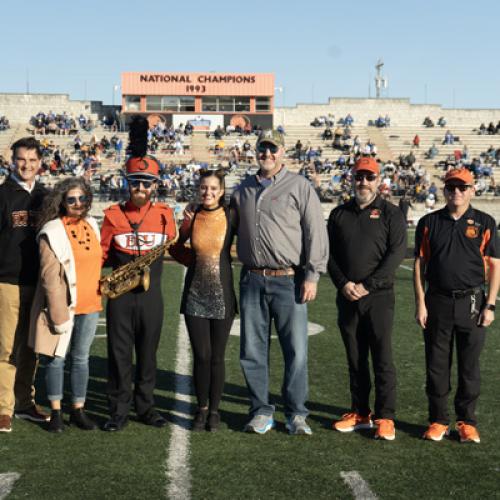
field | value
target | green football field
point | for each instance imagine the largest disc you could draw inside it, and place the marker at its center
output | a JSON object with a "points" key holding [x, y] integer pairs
{"points": [[137, 462]]}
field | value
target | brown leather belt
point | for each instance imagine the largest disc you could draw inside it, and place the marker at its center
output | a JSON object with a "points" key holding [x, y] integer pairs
{"points": [[274, 272]]}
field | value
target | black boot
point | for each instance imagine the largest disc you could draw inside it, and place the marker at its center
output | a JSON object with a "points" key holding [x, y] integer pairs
{"points": [[200, 419], [213, 421], [82, 420], [56, 423]]}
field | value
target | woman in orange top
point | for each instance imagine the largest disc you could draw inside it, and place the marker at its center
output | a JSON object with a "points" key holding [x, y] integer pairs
{"points": [[67, 303]]}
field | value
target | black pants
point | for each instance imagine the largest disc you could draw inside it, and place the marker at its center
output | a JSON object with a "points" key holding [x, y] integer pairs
{"points": [[366, 327], [208, 340], [134, 321], [450, 322]]}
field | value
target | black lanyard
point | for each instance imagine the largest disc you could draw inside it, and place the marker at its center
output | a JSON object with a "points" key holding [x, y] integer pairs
{"points": [[136, 225]]}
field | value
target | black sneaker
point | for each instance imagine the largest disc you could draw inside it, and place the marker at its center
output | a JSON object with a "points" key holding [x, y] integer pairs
{"points": [[115, 423], [82, 420], [153, 418], [33, 413], [200, 420]]}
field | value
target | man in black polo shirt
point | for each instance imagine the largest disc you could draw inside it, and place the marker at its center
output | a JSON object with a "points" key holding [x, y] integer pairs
{"points": [[367, 244], [453, 247]]}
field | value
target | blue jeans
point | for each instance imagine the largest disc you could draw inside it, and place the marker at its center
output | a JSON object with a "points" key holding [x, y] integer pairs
{"points": [[81, 339], [263, 299]]}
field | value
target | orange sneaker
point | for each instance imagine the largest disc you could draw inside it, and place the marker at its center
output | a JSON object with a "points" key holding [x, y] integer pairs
{"points": [[436, 432], [468, 433], [352, 422], [385, 429]]}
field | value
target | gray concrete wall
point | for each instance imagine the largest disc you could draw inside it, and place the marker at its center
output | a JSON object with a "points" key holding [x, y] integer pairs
{"points": [[19, 108], [401, 111]]}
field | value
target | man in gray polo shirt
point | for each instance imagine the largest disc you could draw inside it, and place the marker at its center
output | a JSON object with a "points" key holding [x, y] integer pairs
{"points": [[283, 245]]}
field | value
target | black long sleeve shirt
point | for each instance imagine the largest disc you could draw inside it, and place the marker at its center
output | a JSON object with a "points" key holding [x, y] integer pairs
{"points": [[19, 261], [366, 245]]}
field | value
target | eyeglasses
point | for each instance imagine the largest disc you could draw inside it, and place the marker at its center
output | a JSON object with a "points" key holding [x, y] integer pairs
{"points": [[71, 200], [461, 187], [365, 175], [136, 183], [262, 147]]}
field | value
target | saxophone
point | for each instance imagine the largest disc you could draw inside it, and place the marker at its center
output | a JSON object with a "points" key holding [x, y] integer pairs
{"points": [[135, 273]]}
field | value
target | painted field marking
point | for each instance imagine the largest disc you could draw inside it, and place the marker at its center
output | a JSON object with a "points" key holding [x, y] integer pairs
{"points": [[7, 481], [178, 470], [312, 329], [359, 487]]}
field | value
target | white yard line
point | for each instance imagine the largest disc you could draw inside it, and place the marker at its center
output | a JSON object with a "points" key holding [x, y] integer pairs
{"points": [[7, 481], [178, 469], [359, 487]]}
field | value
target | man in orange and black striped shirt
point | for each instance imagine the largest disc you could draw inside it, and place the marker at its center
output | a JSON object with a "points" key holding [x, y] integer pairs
{"points": [[456, 251]]}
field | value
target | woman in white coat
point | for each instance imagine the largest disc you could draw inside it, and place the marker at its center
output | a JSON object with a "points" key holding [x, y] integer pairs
{"points": [[67, 301]]}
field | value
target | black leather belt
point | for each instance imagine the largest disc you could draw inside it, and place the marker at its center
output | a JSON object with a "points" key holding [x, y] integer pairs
{"points": [[457, 294], [273, 272]]}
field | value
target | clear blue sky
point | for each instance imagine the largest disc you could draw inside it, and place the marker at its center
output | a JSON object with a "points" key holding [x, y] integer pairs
{"points": [[442, 51]]}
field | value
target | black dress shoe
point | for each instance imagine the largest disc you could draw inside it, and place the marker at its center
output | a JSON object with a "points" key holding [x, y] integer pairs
{"points": [[200, 420], [115, 423], [82, 420], [153, 418], [56, 423], [213, 421]]}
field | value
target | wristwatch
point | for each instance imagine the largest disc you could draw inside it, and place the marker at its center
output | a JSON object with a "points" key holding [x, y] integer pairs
{"points": [[490, 307]]}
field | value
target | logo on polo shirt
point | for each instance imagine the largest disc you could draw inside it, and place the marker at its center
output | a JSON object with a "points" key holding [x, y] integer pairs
{"points": [[472, 232]]}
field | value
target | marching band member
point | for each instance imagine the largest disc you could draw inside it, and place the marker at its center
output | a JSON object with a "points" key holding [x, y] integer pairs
{"points": [[134, 319]]}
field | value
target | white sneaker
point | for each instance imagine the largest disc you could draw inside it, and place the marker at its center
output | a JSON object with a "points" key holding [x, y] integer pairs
{"points": [[297, 425], [260, 424]]}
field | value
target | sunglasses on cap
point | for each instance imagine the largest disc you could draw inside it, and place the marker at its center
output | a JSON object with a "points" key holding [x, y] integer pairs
{"points": [[369, 176], [135, 183], [461, 187], [71, 200], [263, 146]]}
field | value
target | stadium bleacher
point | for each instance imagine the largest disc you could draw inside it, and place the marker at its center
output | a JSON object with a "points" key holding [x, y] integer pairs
{"points": [[406, 121]]}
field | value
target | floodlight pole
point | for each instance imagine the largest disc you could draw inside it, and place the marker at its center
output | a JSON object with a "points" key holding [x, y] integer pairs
{"points": [[281, 90], [380, 81]]}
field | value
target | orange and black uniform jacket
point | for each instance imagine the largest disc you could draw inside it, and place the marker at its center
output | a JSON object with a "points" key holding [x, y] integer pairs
{"points": [[366, 245], [456, 252], [121, 244]]}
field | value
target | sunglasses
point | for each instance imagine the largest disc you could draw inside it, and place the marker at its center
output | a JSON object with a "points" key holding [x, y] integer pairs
{"points": [[262, 147], [461, 187], [71, 200], [136, 183], [365, 175]]}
